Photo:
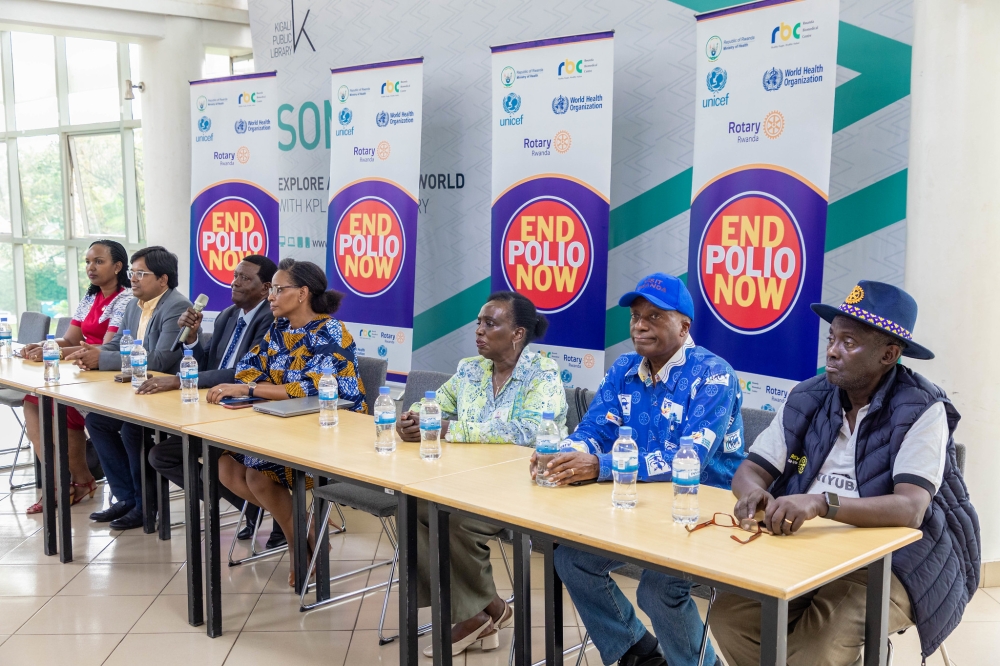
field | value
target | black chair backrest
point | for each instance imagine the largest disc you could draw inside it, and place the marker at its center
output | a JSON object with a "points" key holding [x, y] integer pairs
{"points": [[32, 327], [577, 403], [372, 372], [420, 381], [62, 325], [960, 455], [755, 421]]}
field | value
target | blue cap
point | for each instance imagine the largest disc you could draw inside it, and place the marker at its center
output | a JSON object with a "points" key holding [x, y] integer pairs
{"points": [[549, 415], [189, 352], [50, 337], [431, 395], [126, 332], [664, 291], [625, 431], [138, 343], [383, 390]]}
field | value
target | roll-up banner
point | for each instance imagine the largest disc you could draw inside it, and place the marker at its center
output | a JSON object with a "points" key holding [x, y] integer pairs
{"points": [[234, 155], [766, 74], [372, 215], [551, 188]]}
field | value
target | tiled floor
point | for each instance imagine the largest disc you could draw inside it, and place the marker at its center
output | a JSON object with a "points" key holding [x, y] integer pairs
{"points": [[122, 601]]}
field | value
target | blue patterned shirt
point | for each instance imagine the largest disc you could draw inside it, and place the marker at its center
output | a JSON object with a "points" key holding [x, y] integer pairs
{"points": [[695, 393]]}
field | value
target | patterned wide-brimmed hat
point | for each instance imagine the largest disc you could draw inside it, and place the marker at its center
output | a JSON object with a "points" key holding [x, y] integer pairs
{"points": [[883, 306]]}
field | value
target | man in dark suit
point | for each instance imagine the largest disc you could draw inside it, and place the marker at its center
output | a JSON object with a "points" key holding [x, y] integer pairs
{"points": [[152, 317], [238, 329]]}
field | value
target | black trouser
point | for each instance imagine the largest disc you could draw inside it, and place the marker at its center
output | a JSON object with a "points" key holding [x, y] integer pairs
{"points": [[167, 458]]}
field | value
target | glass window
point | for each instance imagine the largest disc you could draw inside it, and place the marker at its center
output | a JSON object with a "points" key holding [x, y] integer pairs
{"points": [[5, 226], [7, 302], [40, 169], [98, 188], [215, 65], [140, 182], [92, 69], [134, 53], [35, 103], [45, 279], [3, 113], [243, 65]]}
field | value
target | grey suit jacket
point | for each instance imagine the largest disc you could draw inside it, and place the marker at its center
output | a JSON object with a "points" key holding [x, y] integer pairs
{"points": [[159, 338]]}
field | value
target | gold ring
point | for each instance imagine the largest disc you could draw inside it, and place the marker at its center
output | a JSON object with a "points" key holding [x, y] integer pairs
{"points": [[572, 472], [789, 521]]}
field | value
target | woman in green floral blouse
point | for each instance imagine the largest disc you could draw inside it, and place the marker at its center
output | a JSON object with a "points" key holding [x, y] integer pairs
{"points": [[495, 398]]}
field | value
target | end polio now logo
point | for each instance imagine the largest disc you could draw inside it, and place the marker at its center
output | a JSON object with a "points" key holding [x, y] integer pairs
{"points": [[231, 229], [370, 246]]}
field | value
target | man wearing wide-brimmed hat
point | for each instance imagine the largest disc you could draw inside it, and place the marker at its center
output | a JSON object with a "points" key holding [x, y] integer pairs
{"points": [[869, 444]]}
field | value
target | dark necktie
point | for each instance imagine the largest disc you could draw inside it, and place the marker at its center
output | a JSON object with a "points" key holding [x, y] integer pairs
{"points": [[234, 343]]}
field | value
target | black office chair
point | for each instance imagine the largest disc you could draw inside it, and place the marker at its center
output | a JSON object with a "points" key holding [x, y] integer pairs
{"points": [[32, 327]]}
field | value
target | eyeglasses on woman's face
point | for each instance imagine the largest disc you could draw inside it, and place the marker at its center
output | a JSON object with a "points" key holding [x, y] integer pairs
{"points": [[276, 289], [726, 520]]}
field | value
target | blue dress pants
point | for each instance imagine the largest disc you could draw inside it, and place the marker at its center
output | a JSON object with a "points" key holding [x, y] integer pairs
{"points": [[611, 619], [119, 446]]}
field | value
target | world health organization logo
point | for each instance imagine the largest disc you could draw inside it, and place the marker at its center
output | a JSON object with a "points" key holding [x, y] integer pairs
{"points": [[512, 102], [343, 93], [240, 126], [560, 105], [716, 79], [345, 116], [381, 118], [204, 123], [507, 76], [772, 79]]}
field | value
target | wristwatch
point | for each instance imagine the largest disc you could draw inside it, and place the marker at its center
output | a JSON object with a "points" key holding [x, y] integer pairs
{"points": [[252, 385], [832, 501]]}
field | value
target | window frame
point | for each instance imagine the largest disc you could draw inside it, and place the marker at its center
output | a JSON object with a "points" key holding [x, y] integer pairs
{"points": [[75, 247]]}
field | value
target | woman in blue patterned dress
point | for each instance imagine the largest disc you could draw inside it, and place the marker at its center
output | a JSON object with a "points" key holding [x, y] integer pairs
{"points": [[289, 364]]}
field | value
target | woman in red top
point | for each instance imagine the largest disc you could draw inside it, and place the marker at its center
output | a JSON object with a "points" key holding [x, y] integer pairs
{"points": [[95, 322]]}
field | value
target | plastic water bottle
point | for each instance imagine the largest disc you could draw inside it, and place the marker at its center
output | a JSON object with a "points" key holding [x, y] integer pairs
{"points": [[125, 349], [138, 360], [50, 359], [328, 416], [6, 341], [189, 377], [625, 468], [686, 477], [546, 447], [430, 427], [385, 422]]}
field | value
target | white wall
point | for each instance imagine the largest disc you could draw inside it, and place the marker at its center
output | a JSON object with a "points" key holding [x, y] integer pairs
{"points": [[953, 237]]}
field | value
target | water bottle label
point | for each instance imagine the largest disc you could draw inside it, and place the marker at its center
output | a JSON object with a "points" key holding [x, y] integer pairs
{"points": [[50, 356], [328, 394], [430, 423], [625, 462], [386, 418], [685, 477], [5, 336], [189, 373], [138, 363]]}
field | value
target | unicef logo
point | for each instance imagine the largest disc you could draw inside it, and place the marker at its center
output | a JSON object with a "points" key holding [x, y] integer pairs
{"points": [[201, 103], [507, 76], [381, 118], [342, 94], [382, 351], [566, 376], [560, 105], [204, 123], [240, 126], [512, 102], [345, 116], [716, 80], [772, 79]]}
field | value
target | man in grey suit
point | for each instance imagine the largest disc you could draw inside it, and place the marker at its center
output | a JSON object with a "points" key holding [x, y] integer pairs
{"points": [[152, 317]]}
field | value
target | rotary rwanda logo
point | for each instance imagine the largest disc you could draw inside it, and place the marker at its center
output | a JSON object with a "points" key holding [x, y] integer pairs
{"points": [[562, 141], [774, 124], [752, 263], [243, 155], [383, 150]]}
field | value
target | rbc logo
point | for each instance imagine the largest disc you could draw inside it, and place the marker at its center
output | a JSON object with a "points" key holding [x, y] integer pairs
{"points": [[240, 126], [204, 123], [382, 351], [568, 68], [560, 105], [246, 99], [345, 116], [716, 80], [381, 118], [512, 102], [390, 87], [786, 32]]}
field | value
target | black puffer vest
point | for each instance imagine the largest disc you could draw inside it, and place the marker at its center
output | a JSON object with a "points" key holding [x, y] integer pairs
{"points": [[941, 571]]}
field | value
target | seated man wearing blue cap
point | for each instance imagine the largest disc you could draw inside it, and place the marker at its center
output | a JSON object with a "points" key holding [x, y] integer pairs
{"points": [[665, 390], [868, 444]]}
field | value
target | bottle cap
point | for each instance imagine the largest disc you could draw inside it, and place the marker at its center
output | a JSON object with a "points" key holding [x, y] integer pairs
{"points": [[430, 395], [50, 337], [625, 431], [383, 390], [548, 415], [127, 332], [189, 352], [3, 318], [687, 440], [138, 343]]}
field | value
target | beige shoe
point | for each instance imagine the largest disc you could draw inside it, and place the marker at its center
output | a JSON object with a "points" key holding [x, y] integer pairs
{"points": [[507, 617], [487, 636]]}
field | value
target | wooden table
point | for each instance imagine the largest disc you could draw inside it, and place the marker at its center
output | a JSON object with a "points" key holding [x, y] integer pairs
{"points": [[164, 413], [345, 453], [771, 569], [29, 377]]}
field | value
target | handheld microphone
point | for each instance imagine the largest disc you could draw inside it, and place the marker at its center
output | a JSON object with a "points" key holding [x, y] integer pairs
{"points": [[182, 337]]}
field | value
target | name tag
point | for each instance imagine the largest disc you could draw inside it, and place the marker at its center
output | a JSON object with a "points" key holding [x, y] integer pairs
{"points": [[626, 401], [672, 411]]}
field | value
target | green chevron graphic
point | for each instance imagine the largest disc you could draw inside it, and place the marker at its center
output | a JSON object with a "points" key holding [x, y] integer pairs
{"points": [[883, 66]]}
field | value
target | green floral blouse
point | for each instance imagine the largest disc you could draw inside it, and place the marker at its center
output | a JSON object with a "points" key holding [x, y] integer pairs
{"points": [[514, 415]]}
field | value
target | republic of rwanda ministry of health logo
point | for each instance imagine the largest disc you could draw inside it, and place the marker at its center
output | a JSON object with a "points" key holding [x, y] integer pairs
{"points": [[343, 93], [507, 76]]}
